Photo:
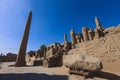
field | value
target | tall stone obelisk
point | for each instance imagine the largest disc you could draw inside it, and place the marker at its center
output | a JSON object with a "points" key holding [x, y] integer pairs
{"points": [[22, 51], [98, 24]]}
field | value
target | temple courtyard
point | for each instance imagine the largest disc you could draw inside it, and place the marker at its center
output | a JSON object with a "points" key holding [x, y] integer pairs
{"points": [[111, 72]]}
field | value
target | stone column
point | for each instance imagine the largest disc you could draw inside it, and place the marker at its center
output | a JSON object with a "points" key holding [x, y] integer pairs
{"points": [[82, 40], [78, 38], [22, 51], [91, 34], [65, 38], [66, 44], [85, 33], [98, 25], [73, 38], [97, 35]]}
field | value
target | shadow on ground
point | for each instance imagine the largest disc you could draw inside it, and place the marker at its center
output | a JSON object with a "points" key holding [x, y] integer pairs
{"points": [[32, 76], [107, 76]]}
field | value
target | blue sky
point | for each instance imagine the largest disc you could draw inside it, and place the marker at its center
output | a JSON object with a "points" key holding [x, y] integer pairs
{"points": [[51, 19]]}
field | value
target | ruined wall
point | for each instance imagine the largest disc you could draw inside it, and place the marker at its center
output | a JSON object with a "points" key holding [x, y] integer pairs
{"points": [[106, 48], [8, 58]]}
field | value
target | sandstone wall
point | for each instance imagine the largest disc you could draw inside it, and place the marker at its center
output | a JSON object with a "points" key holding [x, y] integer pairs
{"points": [[106, 48]]}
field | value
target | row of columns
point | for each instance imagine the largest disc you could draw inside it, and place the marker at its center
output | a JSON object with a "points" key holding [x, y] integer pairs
{"points": [[87, 34]]}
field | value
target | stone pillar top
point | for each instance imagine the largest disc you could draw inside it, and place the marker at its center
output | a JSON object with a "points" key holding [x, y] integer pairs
{"points": [[98, 24], [65, 38], [85, 28], [90, 30]]}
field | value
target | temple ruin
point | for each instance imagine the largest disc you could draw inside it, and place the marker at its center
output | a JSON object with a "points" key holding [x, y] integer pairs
{"points": [[98, 42]]}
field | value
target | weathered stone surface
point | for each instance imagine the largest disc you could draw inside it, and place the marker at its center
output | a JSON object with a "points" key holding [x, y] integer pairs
{"points": [[85, 33], [83, 62], [67, 45], [38, 63], [54, 61], [97, 35], [22, 51], [78, 38], [73, 38], [70, 59], [98, 24], [65, 38], [8, 58], [106, 48], [91, 34]]}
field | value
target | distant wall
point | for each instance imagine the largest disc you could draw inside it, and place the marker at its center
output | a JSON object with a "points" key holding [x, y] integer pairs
{"points": [[8, 58]]}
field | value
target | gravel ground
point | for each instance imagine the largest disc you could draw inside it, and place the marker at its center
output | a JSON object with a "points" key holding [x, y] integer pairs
{"points": [[41, 73], [31, 73]]}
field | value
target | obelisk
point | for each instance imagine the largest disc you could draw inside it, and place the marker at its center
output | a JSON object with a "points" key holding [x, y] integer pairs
{"points": [[98, 24], [22, 51]]}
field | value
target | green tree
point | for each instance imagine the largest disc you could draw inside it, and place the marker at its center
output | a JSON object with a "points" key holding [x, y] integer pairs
{"points": [[43, 48], [41, 52], [31, 53]]}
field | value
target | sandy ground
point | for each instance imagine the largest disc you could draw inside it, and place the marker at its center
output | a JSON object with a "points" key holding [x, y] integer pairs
{"points": [[111, 71]]}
